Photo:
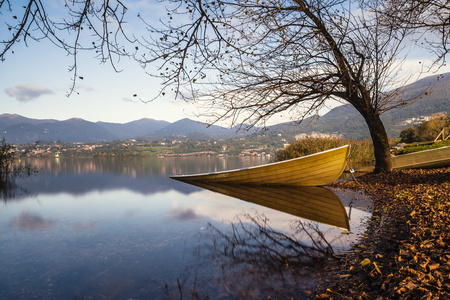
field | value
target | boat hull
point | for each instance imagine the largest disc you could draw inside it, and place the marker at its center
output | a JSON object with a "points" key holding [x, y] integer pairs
{"points": [[433, 158], [312, 170], [316, 204]]}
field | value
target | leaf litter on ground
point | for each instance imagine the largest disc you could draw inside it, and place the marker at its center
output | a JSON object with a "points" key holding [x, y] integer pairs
{"points": [[406, 247]]}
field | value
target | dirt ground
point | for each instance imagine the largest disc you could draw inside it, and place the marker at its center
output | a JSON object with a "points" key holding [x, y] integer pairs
{"points": [[405, 252]]}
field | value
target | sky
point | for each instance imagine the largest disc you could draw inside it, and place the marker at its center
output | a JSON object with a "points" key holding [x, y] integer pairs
{"points": [[35, 80]]}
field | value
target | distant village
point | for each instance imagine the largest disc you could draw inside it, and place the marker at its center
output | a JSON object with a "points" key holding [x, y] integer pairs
{"points": [[256, 145]]}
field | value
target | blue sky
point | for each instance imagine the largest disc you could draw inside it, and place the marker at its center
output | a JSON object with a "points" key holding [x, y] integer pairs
{"points": [[34, 81]]}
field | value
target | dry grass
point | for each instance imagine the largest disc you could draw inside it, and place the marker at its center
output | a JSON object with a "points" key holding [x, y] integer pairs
{"points": [[361, 153]]}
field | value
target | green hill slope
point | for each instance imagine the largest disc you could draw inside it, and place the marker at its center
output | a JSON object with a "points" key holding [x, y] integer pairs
{"points": [[346, 121]]}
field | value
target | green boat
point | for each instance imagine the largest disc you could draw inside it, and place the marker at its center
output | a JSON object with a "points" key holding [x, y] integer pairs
{"points": [[434, 158]]}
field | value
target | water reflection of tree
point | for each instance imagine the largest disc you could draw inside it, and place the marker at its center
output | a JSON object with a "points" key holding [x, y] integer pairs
{"points": [[252, 260], [9, 189], [10, 170], [255, 242], [6, 189]]}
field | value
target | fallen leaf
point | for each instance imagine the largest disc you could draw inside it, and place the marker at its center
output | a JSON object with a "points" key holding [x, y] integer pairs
{"points": [[376, 267], [365, 262], [433, 266]]}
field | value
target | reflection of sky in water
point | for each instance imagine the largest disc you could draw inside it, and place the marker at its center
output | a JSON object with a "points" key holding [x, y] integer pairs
{"points": [[31, 222], [124, 239], [69, 245]]}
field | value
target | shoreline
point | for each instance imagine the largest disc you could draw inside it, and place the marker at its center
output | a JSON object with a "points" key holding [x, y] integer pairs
{"points": [[405, 252]]}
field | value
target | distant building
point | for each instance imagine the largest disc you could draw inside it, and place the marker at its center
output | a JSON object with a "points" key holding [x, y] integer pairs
{"points": [[318, 135]]}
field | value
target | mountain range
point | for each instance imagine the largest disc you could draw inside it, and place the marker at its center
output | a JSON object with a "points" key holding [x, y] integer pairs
{"points": [[17, 129], [344, 120]]}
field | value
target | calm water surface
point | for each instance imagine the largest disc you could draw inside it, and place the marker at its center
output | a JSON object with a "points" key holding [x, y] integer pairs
{"points": [[122, 229]]}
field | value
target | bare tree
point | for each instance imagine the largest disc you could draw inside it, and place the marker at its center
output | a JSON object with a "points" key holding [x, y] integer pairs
{"points": [[429, 19], [247, 60], [85, 25]]}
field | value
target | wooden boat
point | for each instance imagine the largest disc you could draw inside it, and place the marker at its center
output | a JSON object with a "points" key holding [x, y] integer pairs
{"points": [[317, 204], [434, 158], [312, 170]]}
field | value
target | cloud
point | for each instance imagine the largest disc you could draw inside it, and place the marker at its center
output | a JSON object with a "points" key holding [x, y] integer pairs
{"points": [[27, 92], [85, 88], [31, 222], [84, 226], [184, 214], [126, 99]]}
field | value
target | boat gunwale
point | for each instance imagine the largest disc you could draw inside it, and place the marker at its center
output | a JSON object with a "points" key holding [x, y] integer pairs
{"points": [[403, 162], [262, 166], [423, 151]]}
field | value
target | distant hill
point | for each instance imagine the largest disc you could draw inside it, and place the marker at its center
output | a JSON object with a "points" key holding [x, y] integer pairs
{"points": [[192, 129], [20, 130], [139, 128], [73, 130], [343, 120], [347, 121], [14, 119]]}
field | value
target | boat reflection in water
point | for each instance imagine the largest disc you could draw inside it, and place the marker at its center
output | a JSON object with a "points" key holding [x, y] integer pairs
{"points": [[317, 204], [258, 261]]}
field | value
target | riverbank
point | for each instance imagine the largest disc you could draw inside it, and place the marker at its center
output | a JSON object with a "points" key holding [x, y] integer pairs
{"points": [[405, 252]]}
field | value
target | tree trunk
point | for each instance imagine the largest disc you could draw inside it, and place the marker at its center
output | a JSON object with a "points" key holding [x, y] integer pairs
{"points": [[380, 143]]}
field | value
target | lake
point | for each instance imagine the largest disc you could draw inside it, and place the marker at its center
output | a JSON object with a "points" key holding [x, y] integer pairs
{"points": [[122, 229]]}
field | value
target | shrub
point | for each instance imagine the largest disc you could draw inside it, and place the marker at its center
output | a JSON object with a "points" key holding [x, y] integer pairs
{"points": [[425, 131], [416, 147], [9, 169], [361, 152]]}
